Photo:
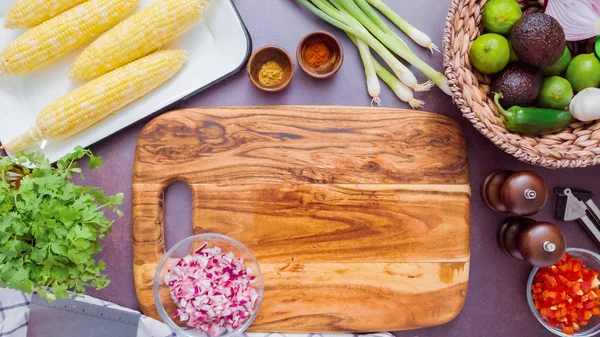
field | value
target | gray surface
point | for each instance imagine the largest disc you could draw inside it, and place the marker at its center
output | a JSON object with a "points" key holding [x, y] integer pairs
{"points": [[70, 318], [495, 304]]}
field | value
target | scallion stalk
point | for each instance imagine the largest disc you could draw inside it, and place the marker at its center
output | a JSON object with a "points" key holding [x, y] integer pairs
{"points": [[402, 91], [418, 36], [373, 85], [350, 25], [397, 47], [374, 16]]}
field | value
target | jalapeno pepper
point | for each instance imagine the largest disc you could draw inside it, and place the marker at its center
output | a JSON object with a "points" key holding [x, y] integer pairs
{"points": [[533, 121]]}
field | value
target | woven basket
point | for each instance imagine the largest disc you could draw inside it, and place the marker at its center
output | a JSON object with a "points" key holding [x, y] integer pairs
{"points": [[577, 146]]}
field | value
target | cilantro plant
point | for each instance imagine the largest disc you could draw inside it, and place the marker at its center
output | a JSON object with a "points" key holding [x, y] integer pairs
{"points": [[50, 227]]}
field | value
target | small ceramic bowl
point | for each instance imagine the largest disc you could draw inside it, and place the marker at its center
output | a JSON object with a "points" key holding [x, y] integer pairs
{"points": [[275, 54], [164, 304], [336, 55], [590, 260]]}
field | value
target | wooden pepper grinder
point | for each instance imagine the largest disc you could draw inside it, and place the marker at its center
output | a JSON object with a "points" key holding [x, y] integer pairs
{"points": [[522, 193], [540, 243]]}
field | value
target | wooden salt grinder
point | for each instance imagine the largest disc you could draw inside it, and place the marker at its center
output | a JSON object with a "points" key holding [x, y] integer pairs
{"points": [[522, 193], [541, 244]]}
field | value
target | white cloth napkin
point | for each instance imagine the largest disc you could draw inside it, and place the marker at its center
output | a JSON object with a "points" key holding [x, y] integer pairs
{"points": [[14, 319]]}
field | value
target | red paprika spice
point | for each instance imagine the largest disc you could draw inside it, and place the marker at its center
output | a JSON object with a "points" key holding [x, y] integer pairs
{"points": [[316, 54]]}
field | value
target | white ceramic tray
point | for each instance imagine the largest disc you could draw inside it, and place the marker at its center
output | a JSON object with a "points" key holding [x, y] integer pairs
{"points": [[219, 46]]}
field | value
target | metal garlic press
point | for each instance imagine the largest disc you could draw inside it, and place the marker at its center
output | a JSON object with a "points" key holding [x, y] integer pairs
{"points": [[577, 205]]}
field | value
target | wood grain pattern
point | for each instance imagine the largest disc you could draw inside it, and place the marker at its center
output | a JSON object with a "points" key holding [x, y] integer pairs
{"points": [[359, 217], [240, 146]]}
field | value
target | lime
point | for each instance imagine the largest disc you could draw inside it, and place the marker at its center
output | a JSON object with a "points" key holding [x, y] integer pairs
{"points": [[598, 47], [584, 72], [513, 55], [490, 53], [560, 65], [500, 15], [556, 93]]}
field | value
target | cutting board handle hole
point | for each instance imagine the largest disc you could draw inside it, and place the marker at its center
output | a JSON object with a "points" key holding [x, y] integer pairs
{"points": [[178, 209]]}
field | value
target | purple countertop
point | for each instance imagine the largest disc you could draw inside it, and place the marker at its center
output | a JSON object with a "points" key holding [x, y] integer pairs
{"points": [[495, 304]]}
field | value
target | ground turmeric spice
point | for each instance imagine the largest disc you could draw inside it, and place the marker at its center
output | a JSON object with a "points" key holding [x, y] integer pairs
{"points": [[316, 54], [270, 74]]}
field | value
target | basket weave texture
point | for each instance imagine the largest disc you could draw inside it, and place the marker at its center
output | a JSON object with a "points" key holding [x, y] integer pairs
{"points": [[577, 146]]}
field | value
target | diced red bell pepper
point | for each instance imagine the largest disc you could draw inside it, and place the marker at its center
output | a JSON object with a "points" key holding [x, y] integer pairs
{"points": [[567, 294], [551, 282], [547, 313]]}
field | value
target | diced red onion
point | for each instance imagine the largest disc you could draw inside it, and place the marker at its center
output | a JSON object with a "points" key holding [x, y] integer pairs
{"points": [[580, 19], [212, 290]]}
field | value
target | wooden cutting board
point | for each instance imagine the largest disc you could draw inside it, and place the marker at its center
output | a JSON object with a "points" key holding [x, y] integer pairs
{"points": [[359, 217]]}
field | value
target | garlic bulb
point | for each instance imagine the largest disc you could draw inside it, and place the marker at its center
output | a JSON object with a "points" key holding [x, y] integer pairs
{"points": [[585, 106]]}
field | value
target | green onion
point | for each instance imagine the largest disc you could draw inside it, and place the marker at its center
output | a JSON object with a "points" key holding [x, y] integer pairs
{"points": [[372, 14], [368, 30], [395, 45], [403, 73], [373, 85], [418, 36], [403, 92], [350, 25]]}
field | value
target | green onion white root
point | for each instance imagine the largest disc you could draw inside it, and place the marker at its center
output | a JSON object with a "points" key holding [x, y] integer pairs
{"points": [[373, 85], [402, 91], [373, 70]]}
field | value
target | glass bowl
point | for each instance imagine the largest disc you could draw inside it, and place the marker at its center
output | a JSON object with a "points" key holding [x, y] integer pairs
{"points": [[590, 260], [162, 298]]}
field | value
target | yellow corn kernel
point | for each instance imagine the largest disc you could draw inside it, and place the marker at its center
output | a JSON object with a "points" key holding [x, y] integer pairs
{"points": [[98, 99], [139, 35], [30, 13], [62, 34]]}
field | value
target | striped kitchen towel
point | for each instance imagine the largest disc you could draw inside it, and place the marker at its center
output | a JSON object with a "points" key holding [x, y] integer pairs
{"points": [[15, 308]]}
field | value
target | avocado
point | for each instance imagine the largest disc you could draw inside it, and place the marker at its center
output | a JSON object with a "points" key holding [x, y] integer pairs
{"points": [[520, 85], [538, 40]]}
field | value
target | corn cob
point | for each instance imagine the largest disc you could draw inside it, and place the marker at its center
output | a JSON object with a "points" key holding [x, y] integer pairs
{"points": [[30, 13], [96, 100], [62, 34], [139, 35]]}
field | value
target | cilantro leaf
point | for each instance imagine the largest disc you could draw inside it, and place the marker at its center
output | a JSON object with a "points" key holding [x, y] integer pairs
{"points": [[50, 226], [95, 162]]}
